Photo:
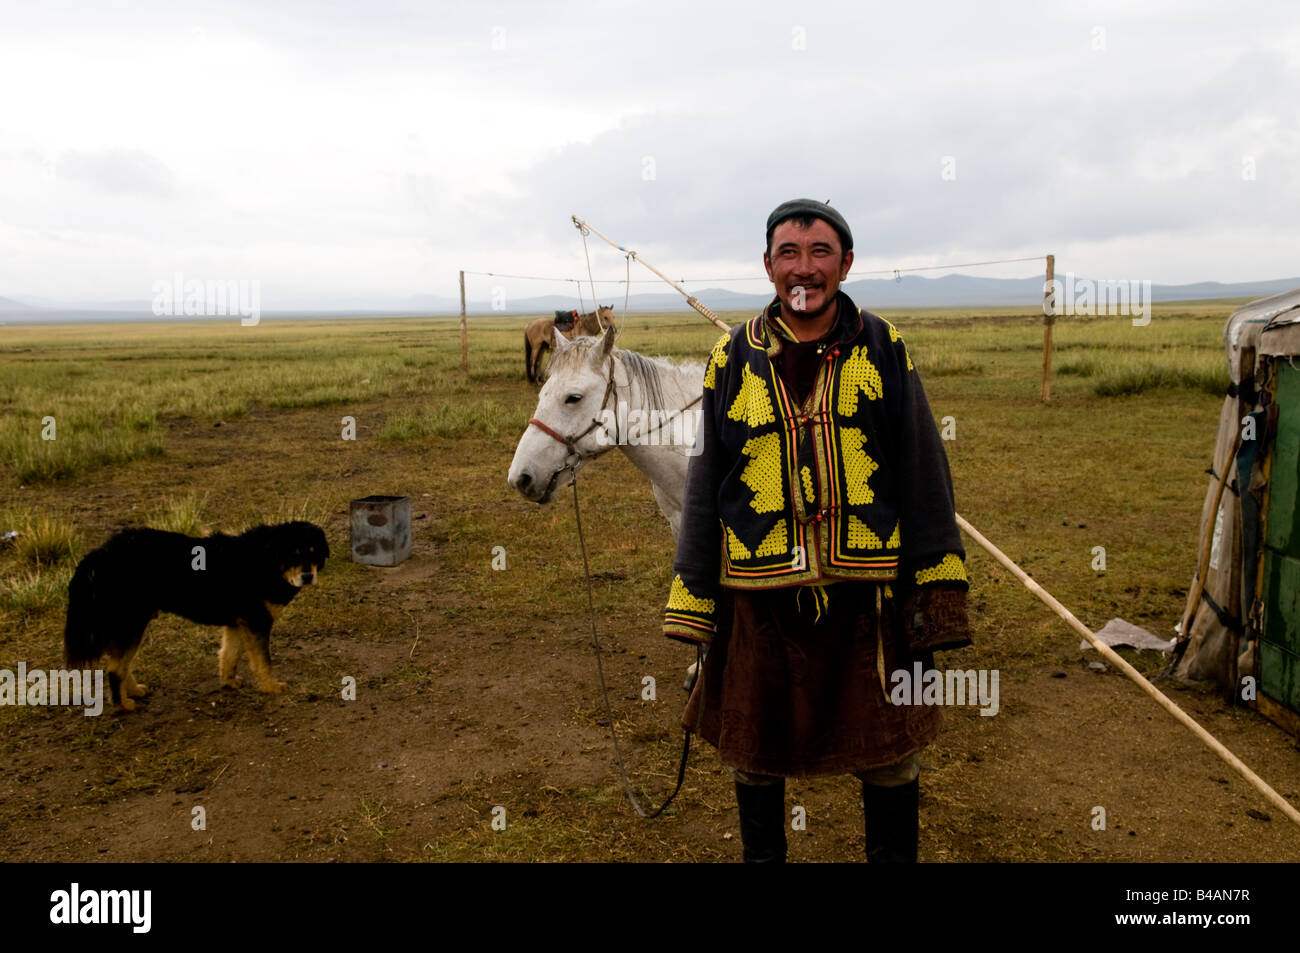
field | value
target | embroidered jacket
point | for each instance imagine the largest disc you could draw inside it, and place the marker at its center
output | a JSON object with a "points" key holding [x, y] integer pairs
{"points": [[852, 485]]}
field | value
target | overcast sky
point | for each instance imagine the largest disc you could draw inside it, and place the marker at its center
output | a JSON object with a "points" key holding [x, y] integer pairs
{"points": [[370, 150]]}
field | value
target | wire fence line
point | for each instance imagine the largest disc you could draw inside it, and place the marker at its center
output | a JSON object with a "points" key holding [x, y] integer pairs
{"points": [[696, 281]]}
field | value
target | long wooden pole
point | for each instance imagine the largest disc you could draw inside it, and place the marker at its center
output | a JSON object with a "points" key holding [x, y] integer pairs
{"points": [[1115, 659], [690, 298], [1049, 318], [464, 333]]}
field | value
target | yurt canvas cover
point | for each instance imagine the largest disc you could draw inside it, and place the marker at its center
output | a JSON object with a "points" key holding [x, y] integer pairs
{"points": [[1245, 619]]}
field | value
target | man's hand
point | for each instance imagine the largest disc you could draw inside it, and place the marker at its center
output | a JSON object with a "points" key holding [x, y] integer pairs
{"points": [[693, 673], [935, 618]]}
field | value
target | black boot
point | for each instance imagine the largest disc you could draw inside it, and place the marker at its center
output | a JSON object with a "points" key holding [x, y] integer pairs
{"points": [[762, 822], [891, 820]]}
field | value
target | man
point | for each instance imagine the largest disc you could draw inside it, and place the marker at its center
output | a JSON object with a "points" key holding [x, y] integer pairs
{"points": [[818, 549]]}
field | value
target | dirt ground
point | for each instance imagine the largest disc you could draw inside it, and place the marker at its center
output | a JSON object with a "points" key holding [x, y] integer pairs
{"points": [[474, 695]]}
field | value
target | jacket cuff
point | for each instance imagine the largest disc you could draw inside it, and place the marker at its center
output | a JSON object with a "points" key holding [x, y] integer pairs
{"points": [[689, 617], [950, 570], [681, 635], [935, 618]]}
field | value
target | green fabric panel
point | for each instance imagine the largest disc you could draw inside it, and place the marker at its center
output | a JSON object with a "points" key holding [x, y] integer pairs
{"points": [[1279, 649], [1280, 675], [1282, 601], [1283, 533]]}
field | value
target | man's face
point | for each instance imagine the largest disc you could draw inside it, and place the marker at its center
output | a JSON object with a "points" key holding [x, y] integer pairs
{"points": [[807, 266]]}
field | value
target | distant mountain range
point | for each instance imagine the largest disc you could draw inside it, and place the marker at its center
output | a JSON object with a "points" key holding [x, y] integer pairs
{"points": [[911, 291]]}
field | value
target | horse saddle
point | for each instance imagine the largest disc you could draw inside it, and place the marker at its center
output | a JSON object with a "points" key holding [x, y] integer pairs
{"points": [[564, 320]]}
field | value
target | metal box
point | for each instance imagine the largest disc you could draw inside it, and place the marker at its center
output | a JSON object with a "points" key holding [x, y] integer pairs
{"points": [[381, 530]]}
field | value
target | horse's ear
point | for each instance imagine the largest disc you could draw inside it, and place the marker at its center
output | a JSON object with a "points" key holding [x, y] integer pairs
{"points": [[561, 342], [598, 354]]}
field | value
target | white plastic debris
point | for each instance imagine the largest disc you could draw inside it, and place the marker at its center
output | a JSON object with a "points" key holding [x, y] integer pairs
{"points": [[1117, 632]]}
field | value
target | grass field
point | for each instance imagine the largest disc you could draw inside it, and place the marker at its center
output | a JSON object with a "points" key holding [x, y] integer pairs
{"points": [[478, 688]]}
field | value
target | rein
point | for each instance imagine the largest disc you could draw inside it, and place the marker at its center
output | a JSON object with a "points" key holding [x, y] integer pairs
{"points": [[571, 442], [604, 688]]}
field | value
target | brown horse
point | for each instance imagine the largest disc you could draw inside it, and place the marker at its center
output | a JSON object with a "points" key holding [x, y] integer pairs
{"points": [[539, 334]]}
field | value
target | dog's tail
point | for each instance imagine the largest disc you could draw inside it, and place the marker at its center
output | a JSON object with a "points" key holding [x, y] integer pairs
{"points": [[81, 642]]}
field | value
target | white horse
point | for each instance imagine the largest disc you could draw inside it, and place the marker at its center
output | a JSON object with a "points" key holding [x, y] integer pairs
{"points": [[597, 397]]}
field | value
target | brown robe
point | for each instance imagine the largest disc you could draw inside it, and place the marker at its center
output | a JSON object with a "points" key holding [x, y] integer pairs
{"points": [[782, 694]]}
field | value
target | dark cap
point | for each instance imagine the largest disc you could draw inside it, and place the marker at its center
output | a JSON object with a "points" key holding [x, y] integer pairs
{"points": [[797, 207]]}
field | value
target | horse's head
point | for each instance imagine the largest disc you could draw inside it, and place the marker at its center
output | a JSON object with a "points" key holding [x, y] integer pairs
{"points": [[568, 426]]}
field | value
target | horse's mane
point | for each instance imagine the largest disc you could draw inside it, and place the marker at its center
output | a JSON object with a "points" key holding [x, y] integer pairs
{"points": [[644, 370]]}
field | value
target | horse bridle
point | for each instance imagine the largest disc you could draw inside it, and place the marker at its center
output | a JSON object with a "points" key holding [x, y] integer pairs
{"points": [[571, 441]]}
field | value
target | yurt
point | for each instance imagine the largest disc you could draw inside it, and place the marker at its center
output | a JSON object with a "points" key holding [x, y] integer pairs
{"points": [[1241, 625]]}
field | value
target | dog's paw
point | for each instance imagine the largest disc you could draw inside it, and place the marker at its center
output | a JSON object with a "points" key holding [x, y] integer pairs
{"points": [[126, 704], [233, 681], [137, 690], [273, 687]]}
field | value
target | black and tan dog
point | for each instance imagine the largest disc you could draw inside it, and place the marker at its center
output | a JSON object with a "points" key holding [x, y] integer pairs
{"points": [[238, 582]]}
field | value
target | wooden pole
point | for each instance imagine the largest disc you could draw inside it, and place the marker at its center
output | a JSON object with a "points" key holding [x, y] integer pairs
{"points": [[690, 298], [1213, 743], [464, 333], [1049, 317], [1203, 564]]}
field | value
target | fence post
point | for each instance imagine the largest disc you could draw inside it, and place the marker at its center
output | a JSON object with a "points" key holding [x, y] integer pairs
{"points": [[1049, 318], [464, 334]]}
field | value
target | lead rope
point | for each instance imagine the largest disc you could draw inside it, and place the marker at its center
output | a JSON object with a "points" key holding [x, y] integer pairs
{"points": [[604, 689], [595, 302], [627, 287]]}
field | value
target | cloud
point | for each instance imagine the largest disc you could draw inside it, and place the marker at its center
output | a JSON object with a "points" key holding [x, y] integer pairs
{"points": [[1087, 156], [130, 172], [378, 149]]}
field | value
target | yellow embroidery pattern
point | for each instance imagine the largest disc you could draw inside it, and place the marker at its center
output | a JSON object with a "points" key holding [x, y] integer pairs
{"points": [[893, 338], [808, 493], [858, 467], [752, 404], [775, 543], [763, 473], [735, 548], [717, 358], [679, 597], [893, 541], [861, 536], [858, 374], [949, 567]]}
